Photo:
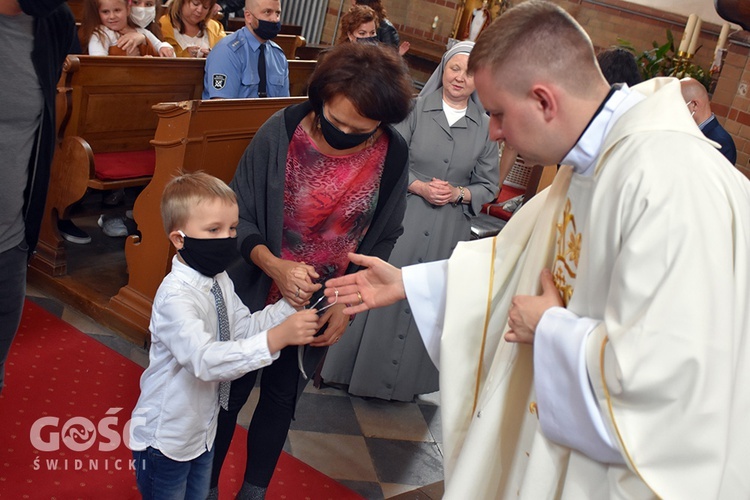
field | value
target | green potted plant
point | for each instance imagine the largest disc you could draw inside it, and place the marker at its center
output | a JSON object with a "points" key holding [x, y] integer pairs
{"points": [[662, 60]]}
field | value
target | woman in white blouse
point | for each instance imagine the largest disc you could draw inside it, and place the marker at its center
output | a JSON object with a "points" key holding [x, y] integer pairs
{"points": [[188, 27]]}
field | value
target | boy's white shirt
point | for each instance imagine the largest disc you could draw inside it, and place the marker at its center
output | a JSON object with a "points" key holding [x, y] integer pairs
{"points": [[97, 48], [179, 403]]}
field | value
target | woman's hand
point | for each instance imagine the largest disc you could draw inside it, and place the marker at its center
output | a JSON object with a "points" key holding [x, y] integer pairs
{"points": [[437, 192], [377, 286], [337, 323], [196, 51], [403, 48], [129, 41], [295, 281]]}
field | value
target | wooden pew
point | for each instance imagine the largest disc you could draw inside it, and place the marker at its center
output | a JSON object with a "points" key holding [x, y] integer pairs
{"points": [[299, 75], [192, 135], [104, 107], [311, 52], [289, 44], [76, 7]]}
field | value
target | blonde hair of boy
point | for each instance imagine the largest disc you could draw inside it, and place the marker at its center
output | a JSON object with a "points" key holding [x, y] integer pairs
{"points": [[185, 191]]}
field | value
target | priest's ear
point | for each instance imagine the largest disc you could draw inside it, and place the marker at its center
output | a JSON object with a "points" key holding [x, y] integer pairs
{"points": [[546, 101]]}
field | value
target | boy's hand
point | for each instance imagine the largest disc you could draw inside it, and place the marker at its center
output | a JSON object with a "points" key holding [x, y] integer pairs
{"points": [[297, 329], [10, 7]]}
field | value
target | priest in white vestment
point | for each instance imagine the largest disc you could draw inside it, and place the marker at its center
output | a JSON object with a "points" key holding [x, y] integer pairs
{"points": [[599, 346]]}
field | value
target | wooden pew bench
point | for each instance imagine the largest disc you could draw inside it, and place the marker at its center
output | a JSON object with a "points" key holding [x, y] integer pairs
{"points": [[105, 126], [192, 135]]}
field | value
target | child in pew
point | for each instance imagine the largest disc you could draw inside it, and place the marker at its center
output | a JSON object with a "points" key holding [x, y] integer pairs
{"points": [[106, 29], [145, 14], [174, 422]]}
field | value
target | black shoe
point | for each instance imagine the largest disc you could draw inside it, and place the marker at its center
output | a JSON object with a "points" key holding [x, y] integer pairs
{"points": [[72, 233], [114, 198]]}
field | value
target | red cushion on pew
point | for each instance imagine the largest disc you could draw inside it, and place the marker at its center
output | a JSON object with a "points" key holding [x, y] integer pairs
{"points": [[495, 208], [124, 165]]}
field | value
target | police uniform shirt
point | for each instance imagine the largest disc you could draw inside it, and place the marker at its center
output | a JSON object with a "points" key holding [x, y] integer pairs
{"points": [[232, 68]]}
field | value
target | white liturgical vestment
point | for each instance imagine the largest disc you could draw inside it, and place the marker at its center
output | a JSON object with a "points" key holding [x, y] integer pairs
{"points": [[650, 252]]}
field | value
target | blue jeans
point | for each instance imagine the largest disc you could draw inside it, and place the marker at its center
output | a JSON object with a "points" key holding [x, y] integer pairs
{"points": [[159, 477], [13, 264]]}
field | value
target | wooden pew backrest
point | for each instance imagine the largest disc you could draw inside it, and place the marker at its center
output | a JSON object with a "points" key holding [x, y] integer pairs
{"points": [[104, 108], [290, 43], [299, 75], [108, 100]]}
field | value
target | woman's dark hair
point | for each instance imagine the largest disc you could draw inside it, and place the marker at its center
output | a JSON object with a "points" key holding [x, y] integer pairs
{"points": [[375, 5], [618, 66], [352, 20], [372, 76]]}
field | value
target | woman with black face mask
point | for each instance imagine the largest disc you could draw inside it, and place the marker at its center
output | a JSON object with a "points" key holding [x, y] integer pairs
{"points": [[319, 180], [358, 25]]}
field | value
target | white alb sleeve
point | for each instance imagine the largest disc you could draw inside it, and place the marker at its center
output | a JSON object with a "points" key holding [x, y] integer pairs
{"points": [[568, 412], [425, 286]]}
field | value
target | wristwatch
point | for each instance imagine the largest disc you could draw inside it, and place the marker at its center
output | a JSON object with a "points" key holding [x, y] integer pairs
{"points": [[460, 198]]}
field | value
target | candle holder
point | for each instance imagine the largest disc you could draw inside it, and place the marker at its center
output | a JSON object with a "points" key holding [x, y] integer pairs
{"points": [[681, 63]]}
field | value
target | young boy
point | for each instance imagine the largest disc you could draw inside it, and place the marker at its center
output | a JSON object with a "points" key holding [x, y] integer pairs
{"points": [[174, 422]]}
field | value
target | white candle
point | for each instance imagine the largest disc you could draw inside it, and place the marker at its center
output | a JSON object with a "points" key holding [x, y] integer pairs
{"points": [[688, 33], [694, 40], [722, 37]]}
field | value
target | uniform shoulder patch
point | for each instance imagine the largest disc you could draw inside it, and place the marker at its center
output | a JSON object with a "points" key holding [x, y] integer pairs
{"points": [[218, 81]]}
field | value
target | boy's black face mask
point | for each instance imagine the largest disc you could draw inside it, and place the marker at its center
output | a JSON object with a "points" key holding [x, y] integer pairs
{"points": [[209, 256]]}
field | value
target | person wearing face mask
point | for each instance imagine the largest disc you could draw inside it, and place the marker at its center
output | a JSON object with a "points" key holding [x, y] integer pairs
{"points": [[358, 25], [202, 336], [453, 171], [144, 14], [248, 63], [386, 32], [696, 97], [319, 179]]}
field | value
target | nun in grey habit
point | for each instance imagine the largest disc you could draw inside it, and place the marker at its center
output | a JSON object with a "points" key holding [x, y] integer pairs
{"points": [[453, 171]]}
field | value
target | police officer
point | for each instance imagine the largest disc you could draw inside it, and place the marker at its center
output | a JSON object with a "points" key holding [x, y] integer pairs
{"points": [[232, 67]]}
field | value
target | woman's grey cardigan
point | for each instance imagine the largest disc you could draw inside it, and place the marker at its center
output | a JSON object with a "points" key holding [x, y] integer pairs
{"points": [[259, 184]]}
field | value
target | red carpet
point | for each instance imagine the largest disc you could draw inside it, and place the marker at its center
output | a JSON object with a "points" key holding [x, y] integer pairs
{"points": [[65, 403]]}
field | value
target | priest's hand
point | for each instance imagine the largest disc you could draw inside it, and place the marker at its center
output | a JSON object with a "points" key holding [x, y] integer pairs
{"points": [[377, 286], [526, 310]]}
